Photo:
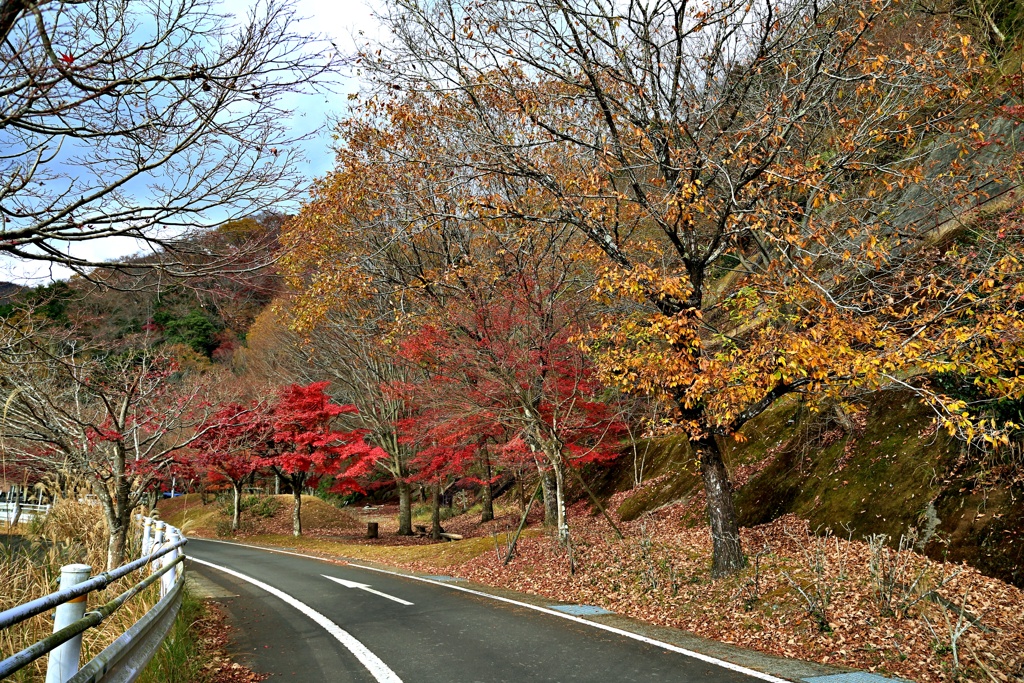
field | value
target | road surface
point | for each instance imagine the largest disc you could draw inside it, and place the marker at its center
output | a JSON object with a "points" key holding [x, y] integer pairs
{"points": [[309, 620]]}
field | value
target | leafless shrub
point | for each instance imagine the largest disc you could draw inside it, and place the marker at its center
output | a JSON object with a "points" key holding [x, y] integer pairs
{"points": [[751, 590], [898, 584], [949, 641], [504, 544], [822, 573]]}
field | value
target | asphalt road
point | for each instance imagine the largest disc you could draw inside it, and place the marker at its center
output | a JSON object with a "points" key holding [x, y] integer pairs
{"points": [[298, 625]]}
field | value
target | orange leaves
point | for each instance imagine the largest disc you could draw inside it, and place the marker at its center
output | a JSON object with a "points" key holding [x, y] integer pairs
{"points": [[642, 283]]}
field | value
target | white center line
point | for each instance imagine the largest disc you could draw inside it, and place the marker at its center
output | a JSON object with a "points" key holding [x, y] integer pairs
{"points": [[377, 668], [753, 673]]}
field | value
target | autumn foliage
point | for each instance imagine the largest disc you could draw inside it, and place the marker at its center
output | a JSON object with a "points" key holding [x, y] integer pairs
{"points": [[767, 201]]}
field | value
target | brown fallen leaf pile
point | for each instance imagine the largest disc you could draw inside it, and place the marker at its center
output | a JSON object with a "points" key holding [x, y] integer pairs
{"points": [[815, 597], [212, 632]]}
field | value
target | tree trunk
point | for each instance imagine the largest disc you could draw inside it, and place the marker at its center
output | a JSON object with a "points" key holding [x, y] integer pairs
{"points": [[727, 553], [550, 489], [236, 509], [562, 522], [486, 503], [297, 510], [117, 512], [404, 509], [435, 513], [115, 545]]}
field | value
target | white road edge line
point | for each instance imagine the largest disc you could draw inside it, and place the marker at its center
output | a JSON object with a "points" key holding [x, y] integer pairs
{"points": [[604, 627], [377, 668], [753, 673]]}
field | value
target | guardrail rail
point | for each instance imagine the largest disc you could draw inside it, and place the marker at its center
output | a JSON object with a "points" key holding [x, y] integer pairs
{"points": [[125, 658], [13, 512]]}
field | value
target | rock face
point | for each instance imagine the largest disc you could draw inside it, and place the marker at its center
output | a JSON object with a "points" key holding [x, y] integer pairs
{"points": [[885, 471]]}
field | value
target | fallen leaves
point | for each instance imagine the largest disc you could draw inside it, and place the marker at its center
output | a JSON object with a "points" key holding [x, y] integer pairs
{"points": [[213, 632], [660, 574]]}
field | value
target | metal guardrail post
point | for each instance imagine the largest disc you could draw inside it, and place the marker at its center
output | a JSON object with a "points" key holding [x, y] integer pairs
{"points": [[147, 535], [178, 569], [63, 662], [167, 580], [158, 540]]}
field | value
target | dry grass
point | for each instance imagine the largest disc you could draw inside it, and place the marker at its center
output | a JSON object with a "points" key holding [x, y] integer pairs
{"points": [[427, 554], [330, 531], [268, 515], [30, 568]]}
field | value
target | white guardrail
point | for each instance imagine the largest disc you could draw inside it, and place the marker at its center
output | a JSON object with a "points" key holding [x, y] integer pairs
{"points": [[12, 512], [127, 656]]}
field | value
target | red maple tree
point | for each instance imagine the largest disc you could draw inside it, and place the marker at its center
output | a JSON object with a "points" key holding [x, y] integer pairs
{"points": [[230, 446], [305, 445], [504, 355]]}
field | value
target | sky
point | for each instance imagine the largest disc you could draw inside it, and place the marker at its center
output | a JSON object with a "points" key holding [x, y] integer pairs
{"points": [[339, 21]]}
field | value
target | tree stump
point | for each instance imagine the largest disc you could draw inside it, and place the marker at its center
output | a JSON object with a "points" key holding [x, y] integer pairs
{"points": [[371, 529]]}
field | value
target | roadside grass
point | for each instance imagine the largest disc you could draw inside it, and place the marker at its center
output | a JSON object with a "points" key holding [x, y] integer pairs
{"points": [[260, 515], [30, 568], [182, 657], [195, 650], [437, 555], [189, 514]]}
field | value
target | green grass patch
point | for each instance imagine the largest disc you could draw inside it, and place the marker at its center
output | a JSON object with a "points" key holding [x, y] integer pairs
{"points": [[181, 658]]}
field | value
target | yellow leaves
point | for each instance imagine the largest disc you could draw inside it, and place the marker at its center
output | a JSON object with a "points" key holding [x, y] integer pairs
{"points": [[642, 283]]}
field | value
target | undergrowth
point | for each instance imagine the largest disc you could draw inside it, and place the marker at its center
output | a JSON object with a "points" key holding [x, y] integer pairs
{"points": [[181, 658], [74, 532]]}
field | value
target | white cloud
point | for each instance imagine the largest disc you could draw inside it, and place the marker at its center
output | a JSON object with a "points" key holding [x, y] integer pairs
{"points": [[344, 23]]}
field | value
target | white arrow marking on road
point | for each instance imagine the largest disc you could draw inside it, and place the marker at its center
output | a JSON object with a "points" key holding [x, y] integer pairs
{"points": [[365, 587]]}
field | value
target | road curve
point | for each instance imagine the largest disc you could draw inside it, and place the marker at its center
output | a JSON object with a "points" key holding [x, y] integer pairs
{"points": [[318, 621]]}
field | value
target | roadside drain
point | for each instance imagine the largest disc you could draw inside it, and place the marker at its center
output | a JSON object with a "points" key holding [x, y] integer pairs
{"points": [[581, 610]]}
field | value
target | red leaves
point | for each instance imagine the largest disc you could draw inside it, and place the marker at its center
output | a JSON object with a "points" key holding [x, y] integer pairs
{"points": [[295, 434], [229, 442], [501, 366], [67, 58]]}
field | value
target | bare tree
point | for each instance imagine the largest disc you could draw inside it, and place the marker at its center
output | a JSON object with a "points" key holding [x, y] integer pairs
{"points": [[113, 417], [696, 145], [145, 118]]}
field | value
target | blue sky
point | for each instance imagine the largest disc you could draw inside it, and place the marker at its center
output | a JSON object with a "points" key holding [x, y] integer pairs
{"points": [[339, 21]]}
